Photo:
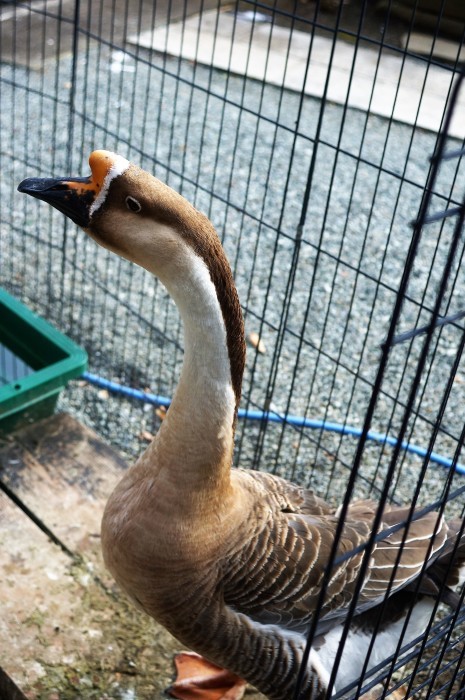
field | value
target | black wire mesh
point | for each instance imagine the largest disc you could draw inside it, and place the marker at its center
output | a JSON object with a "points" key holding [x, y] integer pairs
{"points": [[312, 175], [443, 300]]}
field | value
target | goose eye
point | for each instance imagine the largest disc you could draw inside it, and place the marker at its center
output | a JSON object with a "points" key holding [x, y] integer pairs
{"points": [[132, 204]]}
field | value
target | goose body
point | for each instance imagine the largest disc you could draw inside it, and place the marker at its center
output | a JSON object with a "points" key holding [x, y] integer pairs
{"points": [[231, 561]]}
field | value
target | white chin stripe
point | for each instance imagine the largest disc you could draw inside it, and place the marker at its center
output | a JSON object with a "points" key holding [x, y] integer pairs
{"points": [[120, 164]]}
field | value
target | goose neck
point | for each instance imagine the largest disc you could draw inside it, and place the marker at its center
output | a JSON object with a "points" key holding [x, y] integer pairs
{"points": [[198, 432]]}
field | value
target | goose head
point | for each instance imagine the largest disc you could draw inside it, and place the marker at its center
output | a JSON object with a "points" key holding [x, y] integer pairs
{"points": [[132, 213]]}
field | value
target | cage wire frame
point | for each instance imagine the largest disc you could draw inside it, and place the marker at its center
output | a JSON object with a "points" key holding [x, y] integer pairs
{"points": [[425, 217], [309, 196]]}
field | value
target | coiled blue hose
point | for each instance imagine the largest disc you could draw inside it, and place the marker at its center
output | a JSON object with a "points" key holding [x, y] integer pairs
{"points": [[275, 417]]}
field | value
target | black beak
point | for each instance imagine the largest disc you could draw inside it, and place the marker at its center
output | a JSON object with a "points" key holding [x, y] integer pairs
{"points": [[72, 196]]}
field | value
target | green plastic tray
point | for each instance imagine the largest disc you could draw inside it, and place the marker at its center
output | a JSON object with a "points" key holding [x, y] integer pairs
{"points": [[36, 362]]}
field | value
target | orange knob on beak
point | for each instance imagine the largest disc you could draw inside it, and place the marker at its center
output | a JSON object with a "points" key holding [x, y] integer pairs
{"points": [[78, 197]]}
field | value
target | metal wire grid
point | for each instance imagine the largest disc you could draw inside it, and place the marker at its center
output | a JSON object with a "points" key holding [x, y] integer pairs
{"points": [[439, 633], [312, 201]]}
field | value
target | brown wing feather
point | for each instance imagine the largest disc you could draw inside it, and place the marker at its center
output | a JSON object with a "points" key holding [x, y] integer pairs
{"points": [[290, 497], [283, 563]]}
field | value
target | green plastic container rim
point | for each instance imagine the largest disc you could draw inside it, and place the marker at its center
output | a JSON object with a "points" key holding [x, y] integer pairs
{"points": [[48, 380]]}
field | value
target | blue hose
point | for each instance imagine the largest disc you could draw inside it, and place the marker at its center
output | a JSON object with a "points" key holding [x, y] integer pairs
{"points": [[275, 417]]}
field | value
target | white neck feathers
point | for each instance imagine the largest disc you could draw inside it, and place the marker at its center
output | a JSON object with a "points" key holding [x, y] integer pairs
{"points": [[206, 370], [194, 444]]}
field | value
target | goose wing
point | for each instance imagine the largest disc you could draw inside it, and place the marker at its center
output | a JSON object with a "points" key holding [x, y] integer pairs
{"points": [[276, 575]]}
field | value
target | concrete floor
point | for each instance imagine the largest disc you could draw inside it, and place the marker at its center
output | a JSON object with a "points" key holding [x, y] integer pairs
{"points": [[33, 32], [45, 29]]}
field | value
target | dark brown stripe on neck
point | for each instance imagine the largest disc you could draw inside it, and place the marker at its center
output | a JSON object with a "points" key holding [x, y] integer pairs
{"points": [[209, 248], [170, 208]]}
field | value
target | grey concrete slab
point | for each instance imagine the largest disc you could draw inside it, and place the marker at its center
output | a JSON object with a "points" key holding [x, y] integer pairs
{"points": [[393, 86]]}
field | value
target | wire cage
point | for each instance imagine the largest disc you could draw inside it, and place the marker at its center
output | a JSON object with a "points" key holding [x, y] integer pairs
{"points": [[314, 136]]}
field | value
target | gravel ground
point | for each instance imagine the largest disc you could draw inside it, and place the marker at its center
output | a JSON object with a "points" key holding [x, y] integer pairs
{"points": [[249, 173], [242, 153]]}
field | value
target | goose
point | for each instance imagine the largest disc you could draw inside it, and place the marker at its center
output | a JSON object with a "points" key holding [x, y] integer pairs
{"points": [[231, 561]]}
